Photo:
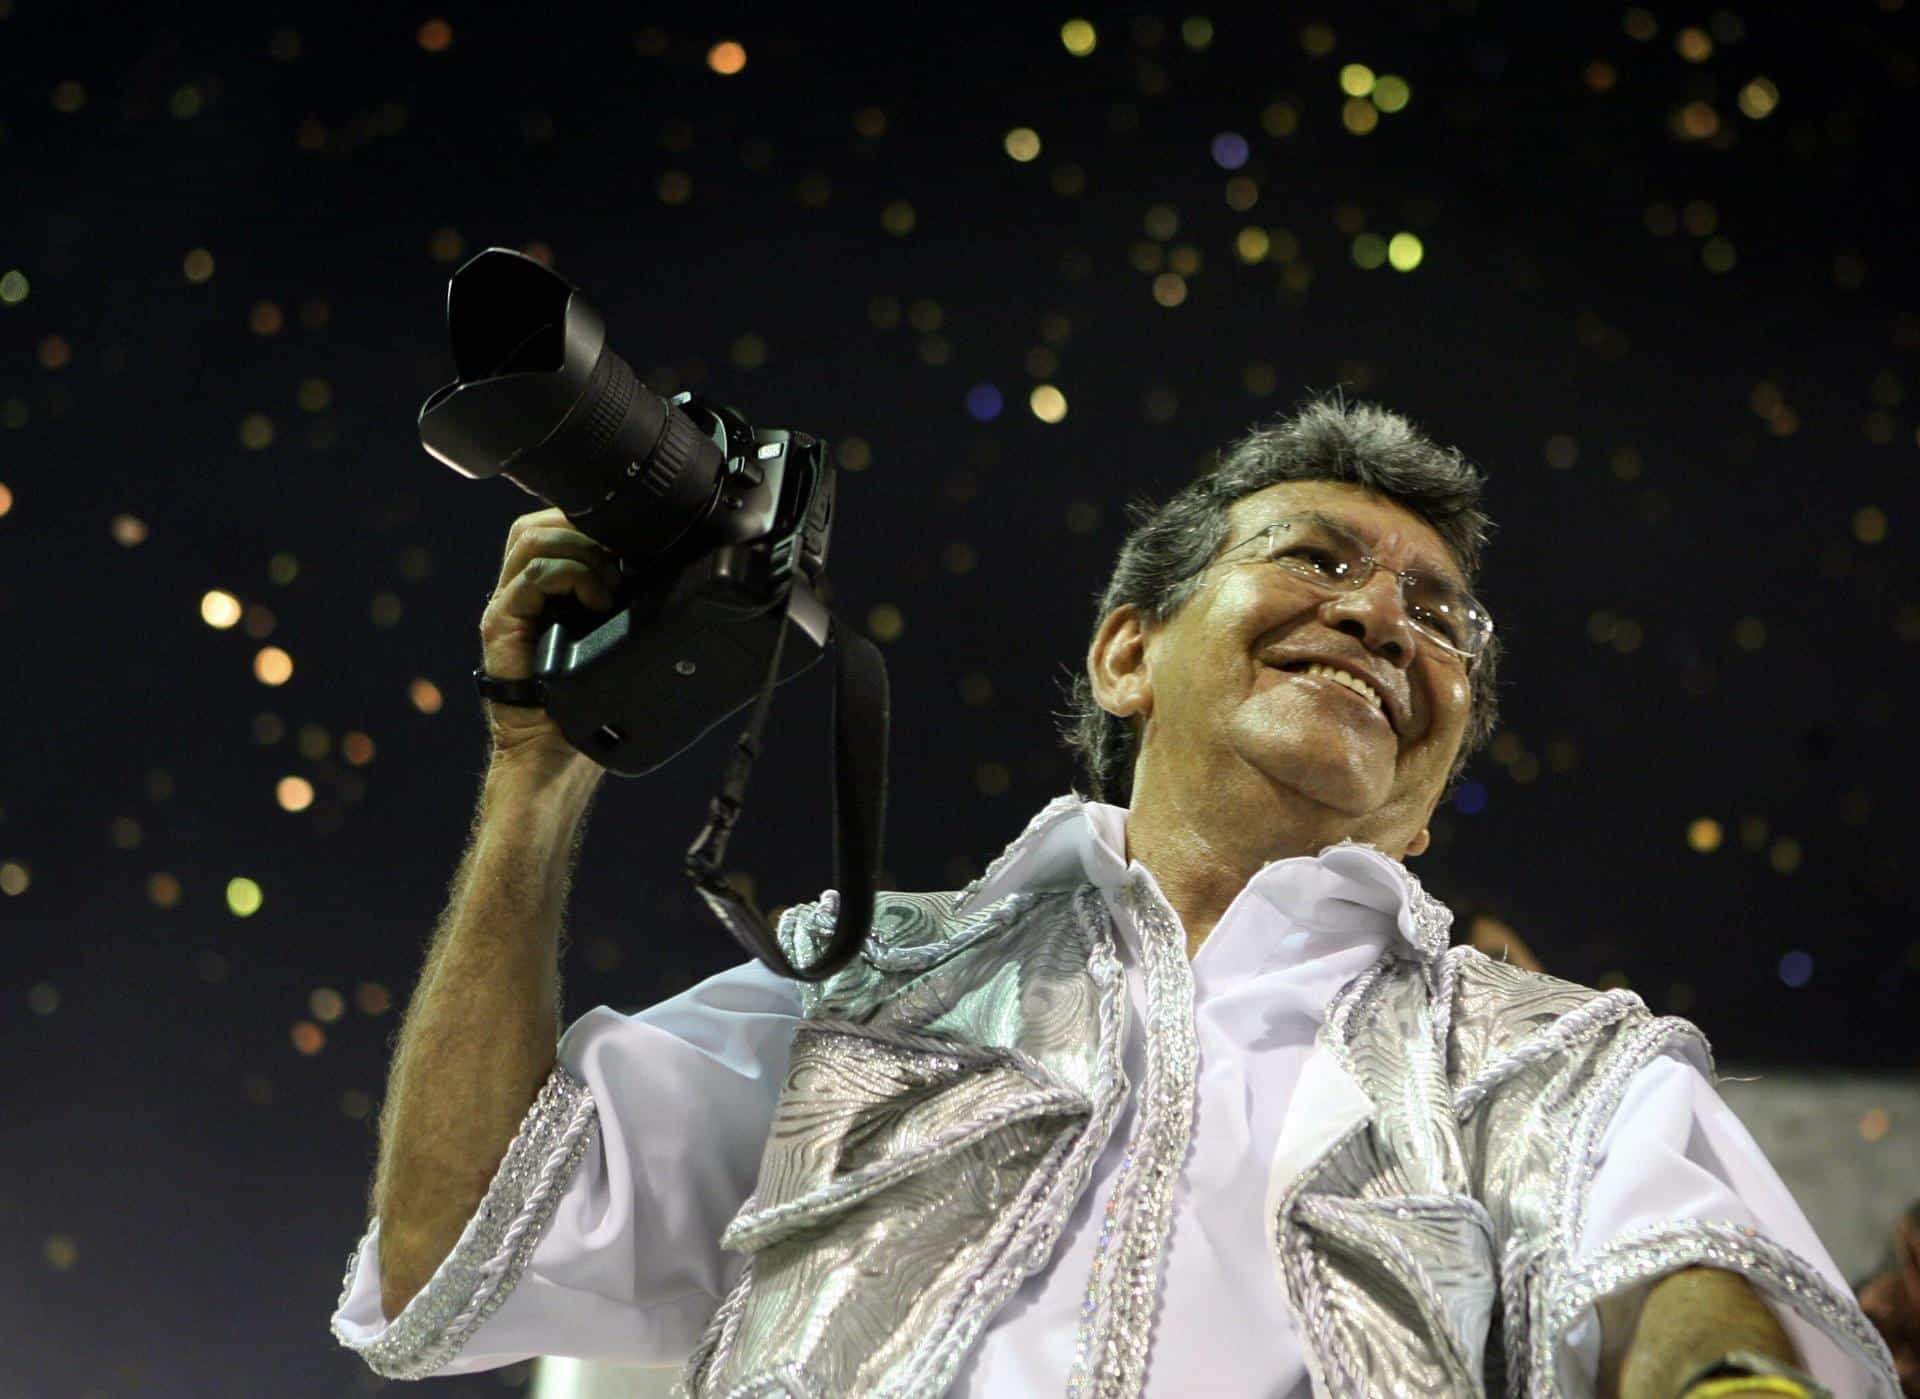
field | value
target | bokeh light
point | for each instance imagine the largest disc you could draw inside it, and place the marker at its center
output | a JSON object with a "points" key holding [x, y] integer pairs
{"points": [[1078, 37], [244, 897]]}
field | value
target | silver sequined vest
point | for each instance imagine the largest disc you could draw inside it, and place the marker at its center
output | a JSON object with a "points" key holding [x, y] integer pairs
{"points": [[951, 1088]]}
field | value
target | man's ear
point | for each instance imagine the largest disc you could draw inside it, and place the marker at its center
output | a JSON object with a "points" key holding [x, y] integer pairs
{"points": [[1419, 844], [1117, 664]]}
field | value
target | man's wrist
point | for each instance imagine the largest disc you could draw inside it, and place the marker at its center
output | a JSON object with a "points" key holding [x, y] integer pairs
{"points": [[1744, 1372]]}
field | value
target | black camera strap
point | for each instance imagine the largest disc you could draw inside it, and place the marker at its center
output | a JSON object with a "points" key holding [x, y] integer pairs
{"points": [[861, 717]]}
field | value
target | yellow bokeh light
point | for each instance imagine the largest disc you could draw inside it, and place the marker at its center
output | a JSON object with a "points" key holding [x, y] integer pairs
{"points": [[1404, 252], [1317, 39], [1169, 289], [1196, 32], [1049, 405], [425, 695], [1758, 99], [14, 878], [256, 431], [1391, 94], [13, 287], [1078, 36], [726, 58], [1022, 143], [1718, 255], [163, 890], [293, 793], [220, 609], [1252, 244], [1704, 835], [6, 501], [898, 218], [1369, 251], [1359, 115], [243, 897], [446, 245], [326, 1004], [1279, 119], [1693, 45], [198, 265], [1356, 80], [1696, 121], [272, 666], [1870, 524], [885, 622], [1785, 855]]}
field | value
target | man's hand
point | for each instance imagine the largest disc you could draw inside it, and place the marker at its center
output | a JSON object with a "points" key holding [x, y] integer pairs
{"points": [[1892, 1301]]}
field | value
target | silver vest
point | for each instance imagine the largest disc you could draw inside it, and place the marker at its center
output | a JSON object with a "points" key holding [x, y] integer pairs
{"points": [[950, 1089]]}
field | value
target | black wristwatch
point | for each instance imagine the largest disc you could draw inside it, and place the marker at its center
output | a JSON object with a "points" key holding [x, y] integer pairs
{"points": [[524, 693]]}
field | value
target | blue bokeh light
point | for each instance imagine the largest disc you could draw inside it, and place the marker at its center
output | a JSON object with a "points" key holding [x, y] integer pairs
{"points": [[1796, 968], [1471, 799], [984, 402], [1230, 150]]}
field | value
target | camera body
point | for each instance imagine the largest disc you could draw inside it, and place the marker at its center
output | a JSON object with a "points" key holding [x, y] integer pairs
{"points": [[688, 645]]}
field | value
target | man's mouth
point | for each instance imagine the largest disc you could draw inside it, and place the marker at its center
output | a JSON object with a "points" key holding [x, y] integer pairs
{"points": [[1342, 678]]}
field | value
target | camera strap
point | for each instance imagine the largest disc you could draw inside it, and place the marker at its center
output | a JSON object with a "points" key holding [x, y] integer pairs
{"points": [[861, 718]]}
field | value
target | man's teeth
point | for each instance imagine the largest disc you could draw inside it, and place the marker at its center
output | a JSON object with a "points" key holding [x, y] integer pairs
{"points": [[1351, 682]]}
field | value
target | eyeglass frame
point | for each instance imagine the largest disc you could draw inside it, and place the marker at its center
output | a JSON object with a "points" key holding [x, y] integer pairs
{"points": [[1368, 563]]}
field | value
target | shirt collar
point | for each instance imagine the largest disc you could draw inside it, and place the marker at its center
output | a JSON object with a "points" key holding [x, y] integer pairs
{"points": [[1349, 887]]}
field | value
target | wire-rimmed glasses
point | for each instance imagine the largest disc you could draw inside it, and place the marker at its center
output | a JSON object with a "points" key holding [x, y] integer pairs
{"points": [[1322, 552]]}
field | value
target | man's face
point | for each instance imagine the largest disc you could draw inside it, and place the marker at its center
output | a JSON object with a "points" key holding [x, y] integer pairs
{"points": [[1226, 726]]}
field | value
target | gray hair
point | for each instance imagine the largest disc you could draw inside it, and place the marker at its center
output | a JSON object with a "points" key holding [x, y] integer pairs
{"points": [[1162, 559]]}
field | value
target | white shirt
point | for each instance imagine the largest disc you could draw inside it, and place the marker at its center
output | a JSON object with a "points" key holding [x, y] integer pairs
{"points": [[629, 1268]]}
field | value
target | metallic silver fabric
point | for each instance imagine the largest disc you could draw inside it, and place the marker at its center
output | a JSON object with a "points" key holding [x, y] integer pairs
{"points": [[492, 1252], [1110, 1349], [936, 1126], [950, 1089]]}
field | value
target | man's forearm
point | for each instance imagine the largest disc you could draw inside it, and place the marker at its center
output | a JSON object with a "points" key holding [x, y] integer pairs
{"points": [[1692, 1318], [480, 1032]]}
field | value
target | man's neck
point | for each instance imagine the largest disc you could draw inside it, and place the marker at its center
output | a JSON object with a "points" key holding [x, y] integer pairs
{"points": [[1202, 863]]}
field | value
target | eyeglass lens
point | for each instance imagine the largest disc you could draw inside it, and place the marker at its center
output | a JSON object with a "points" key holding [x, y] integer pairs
{"points": [[1332, 557]]}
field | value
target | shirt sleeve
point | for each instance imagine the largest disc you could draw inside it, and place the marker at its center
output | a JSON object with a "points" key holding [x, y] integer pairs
{"points": [[1674, 1152], [599, 1235]]}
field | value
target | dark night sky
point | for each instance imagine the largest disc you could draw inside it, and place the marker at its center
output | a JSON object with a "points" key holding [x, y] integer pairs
{"points": [[1666, 299]]}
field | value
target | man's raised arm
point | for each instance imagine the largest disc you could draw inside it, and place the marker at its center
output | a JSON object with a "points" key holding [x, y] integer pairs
{"points": [[480, 1033]]}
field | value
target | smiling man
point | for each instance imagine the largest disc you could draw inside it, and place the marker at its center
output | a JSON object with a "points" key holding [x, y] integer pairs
{"points": [[1187, 1094]]}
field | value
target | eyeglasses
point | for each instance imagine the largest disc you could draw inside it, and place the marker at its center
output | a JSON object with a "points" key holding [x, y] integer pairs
{"points": [[1319, 551]]}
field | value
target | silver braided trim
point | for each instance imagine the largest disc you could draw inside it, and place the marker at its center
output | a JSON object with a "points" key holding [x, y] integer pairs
{"points": [[1115, 1337], [1779, 1275], [492, 1252], [1595, 1110], [717, 1344], [969, 931], [1037, 1217], [1518, 1268], [1332, 1218], [1554, 1038], [1443, 977], [1531, 1343], [751, 1225], [1306, 1281]]}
